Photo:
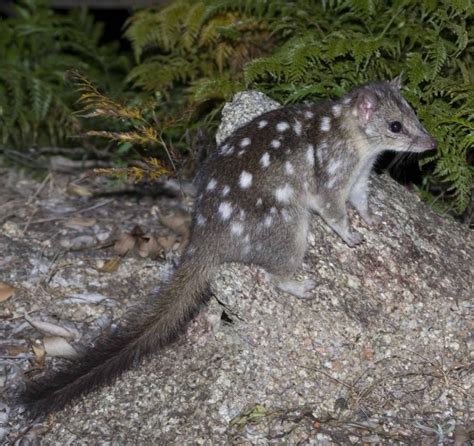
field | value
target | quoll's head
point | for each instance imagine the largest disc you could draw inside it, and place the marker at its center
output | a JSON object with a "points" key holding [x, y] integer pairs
{"points": [[388, 120]]}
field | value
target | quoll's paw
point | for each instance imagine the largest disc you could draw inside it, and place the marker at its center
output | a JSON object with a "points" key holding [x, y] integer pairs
{"points": [[354, 238], [301, 289], [371, 220]]}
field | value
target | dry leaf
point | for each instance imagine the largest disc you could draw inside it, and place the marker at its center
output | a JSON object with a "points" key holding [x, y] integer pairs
{"points": [[85, 298], [124, 244], [75, 189], [51, 329], [16, 350], [368, 354], [6, 291], [178, 220], [39, 352], [56, 346], [148, 247], [111, 265], [81, 222], [167, 241]]}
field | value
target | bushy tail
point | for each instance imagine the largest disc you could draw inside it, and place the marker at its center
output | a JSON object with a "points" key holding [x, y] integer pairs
{"points": [[145, 330]]}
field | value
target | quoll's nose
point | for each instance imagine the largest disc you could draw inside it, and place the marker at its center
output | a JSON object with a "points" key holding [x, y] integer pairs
{"points": [[433, 143]]}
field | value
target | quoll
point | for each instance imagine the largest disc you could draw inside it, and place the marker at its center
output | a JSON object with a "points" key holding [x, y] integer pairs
{"points": [[255, 196]]}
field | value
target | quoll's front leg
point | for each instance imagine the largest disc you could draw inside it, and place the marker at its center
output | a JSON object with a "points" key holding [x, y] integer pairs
{"points": [[359, 197], [334, 213]]}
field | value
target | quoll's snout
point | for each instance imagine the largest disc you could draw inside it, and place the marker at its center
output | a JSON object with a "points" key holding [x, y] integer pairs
{"points": [[426, 142], [434, 143]]}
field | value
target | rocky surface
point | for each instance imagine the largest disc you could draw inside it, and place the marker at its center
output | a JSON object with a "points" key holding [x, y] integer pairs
{"points": [[381, 355]]}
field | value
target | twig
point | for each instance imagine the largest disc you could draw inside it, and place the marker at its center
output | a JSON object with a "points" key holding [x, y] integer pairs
{"points": [[40, 188], [69, 214]]}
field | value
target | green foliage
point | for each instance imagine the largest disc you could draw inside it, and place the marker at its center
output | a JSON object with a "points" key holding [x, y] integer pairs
{"points": [[38, 47], [195, 44], [305, 50]]}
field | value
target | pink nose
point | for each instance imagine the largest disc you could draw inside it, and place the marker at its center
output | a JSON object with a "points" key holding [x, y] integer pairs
{"points": [[433, 143]]}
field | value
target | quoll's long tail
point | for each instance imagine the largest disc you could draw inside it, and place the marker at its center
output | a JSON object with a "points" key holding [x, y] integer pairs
{"points": [[144, 331]]}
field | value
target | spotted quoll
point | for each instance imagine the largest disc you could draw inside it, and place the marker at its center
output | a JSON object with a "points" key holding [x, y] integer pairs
{"points": [[255, 196], [257, 190]]}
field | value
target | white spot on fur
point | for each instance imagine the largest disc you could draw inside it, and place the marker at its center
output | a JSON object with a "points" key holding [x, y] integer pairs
{"points": [[262, 124], [242, 215], [200, 220], [298, 128], [259, 202], [282, 126], [268, 220], [347, 100], [308, 114], [225, 209], [310, 154], [245, 180], [247, 239], [245, 142], [225, 191], [283, 194], [320, 151], [325, 124], [273, 210], [275, 143], [212, 184], [336, 110], [328, 205], [226, 150], [286, 215], [236, 228], [241, 152], [265, 159], [289, 169], [333, 166], [331, 182]]}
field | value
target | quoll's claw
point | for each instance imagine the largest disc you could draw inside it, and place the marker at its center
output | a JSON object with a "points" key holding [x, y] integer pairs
{"points": [[372, 219], [301, 289], [354, 238]]}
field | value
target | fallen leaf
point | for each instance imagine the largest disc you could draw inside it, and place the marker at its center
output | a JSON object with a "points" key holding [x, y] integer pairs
{"points": [[16, 350], [124, 244], [167, 241], [368, 354], [56, 346], [51, 329], [148, 247], [178, 220], [39, 352], [81, 222], [6, 291], [111, 265], [80, 191], [85, 298]]}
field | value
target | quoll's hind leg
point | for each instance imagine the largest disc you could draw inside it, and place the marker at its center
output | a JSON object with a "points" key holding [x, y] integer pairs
{"points": [[286, 256], [298, 288]]}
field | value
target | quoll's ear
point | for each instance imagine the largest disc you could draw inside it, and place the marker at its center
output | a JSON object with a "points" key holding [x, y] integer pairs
{"points": [[397, 81], [367, 103]]}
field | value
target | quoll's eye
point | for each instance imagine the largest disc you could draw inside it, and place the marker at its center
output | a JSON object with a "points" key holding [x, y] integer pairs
{"points": [[395, 126]]}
